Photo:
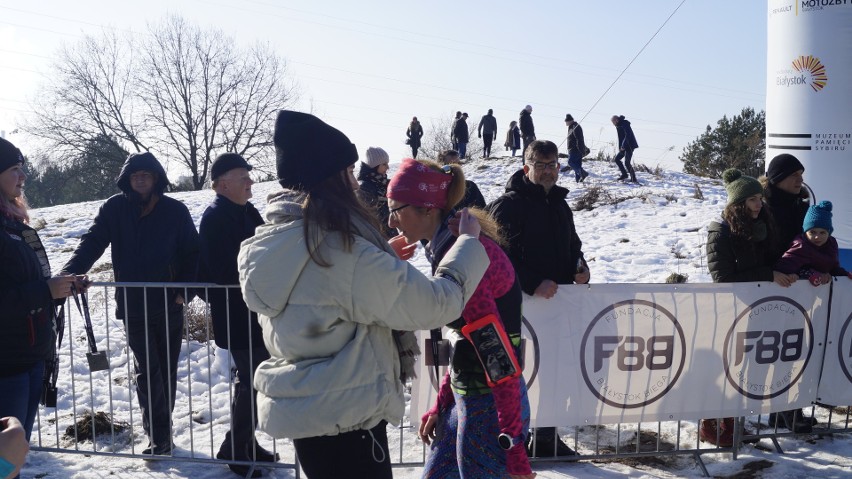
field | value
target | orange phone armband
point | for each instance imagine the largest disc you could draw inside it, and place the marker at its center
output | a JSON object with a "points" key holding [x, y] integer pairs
{"points": [[493, 348]]}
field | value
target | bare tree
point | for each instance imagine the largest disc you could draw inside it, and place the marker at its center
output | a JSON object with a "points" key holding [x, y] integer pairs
{"points": [[185, 92], [89, 95]]}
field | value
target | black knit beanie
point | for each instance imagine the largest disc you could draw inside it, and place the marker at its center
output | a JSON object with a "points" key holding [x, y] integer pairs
{"points": [[9, 155], [782, 166], [308, 150]]}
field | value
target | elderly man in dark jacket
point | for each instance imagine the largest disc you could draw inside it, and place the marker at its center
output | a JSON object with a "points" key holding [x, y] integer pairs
{"points": [[229, 220], [153, 239], [543, 244]]}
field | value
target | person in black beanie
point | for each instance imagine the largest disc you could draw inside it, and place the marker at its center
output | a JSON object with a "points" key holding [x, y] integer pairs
{"points": [[230, 219], [337, 305], [785, 197]]}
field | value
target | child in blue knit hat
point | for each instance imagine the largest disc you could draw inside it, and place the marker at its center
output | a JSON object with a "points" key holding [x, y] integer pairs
{"points": [[813, 254]]}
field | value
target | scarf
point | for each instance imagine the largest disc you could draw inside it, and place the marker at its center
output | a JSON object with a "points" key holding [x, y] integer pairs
{"points": [[374, 181]]}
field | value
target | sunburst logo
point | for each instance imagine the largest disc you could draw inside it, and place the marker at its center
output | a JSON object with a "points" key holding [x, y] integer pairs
{"points": [[811, 65]]}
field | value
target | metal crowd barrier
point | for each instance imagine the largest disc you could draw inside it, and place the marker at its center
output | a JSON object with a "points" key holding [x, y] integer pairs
{"points": [[103, 405]]}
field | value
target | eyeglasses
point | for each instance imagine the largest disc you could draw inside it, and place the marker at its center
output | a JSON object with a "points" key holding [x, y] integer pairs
{"points": [[394, 211], [544, 165]]}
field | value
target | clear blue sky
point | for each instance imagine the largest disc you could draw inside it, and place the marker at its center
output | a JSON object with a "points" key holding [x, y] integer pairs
{"points": [[368, 67]]}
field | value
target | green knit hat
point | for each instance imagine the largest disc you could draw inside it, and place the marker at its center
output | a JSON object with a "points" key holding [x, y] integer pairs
{"points": [[740, 186]]}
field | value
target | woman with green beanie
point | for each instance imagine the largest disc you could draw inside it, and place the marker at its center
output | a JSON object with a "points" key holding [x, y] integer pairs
{"points": [[740, 248]]}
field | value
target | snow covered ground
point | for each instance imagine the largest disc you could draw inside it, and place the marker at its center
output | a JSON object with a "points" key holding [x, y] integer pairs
{"points": [[631, 233]]}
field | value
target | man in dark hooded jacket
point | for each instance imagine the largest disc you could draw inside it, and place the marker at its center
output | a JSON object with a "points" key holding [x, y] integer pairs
{"points": [[525, 121], [542, 244], [153, 239], [626, 144]]}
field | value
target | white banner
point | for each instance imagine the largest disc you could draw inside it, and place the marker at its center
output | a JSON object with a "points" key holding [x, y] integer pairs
{"points": [[612, 353], [835, 385], [808, 98]]}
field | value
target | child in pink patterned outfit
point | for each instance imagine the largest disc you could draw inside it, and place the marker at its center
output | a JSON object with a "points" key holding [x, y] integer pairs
{"points": [[814, 254], [464, 424]]}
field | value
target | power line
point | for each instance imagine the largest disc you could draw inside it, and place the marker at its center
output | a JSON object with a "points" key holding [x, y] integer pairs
{"points": [[633, 60]]}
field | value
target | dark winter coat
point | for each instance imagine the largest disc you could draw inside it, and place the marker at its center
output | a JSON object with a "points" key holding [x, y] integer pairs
{"points": [[372, 191], [804, 258], [539, 227], [526, 124], [26, 306], [789, 213], [576, 142], [472, 196], [224, 225], [733, 259], [414, 133], [626, 138], [158, 246], [513, 138], [460, 131], [488, 125]]}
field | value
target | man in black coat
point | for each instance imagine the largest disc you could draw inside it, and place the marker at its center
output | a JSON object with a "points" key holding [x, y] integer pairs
{"points": [[461, 134], [785, 198], [525, 121], [626, 144], [153, 239], [543, 244], [229, 220], [487, 125]]}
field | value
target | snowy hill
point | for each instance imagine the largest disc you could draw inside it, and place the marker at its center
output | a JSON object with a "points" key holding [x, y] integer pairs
{"points": [[631, 234]]}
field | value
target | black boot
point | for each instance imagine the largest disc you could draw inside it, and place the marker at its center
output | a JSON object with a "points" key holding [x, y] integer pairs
{"points": [[548, 446], [791, 420]]}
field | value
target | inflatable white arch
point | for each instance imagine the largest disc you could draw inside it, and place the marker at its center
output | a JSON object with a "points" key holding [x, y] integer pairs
{"points": [[809, 100]]}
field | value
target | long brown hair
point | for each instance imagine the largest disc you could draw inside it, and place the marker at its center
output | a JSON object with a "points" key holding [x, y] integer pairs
{"points": [[16, 208], [329, 207], [741, 223]]}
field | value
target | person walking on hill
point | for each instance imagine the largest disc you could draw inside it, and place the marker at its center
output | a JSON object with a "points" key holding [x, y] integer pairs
{"points": [[527, 128], [227, 222], [414, 134], [626, 144], [576, 149], [153, 239], [462, 135], [337, 306], [543, 245], [453, 139], [513, 139], [488, 126]]}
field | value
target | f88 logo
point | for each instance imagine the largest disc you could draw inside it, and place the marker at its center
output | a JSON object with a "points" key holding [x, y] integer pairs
{"points": [[768, 347], [632, 353]]}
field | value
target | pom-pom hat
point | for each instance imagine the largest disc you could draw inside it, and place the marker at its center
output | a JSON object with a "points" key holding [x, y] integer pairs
{"points": [[740, 186], [818, 216]]}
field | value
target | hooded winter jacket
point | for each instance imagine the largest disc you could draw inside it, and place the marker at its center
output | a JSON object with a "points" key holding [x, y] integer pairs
{"points": [[539, 227], [626, 138], [157, 243], [26, 306], [334, 366], [804, 258]]}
